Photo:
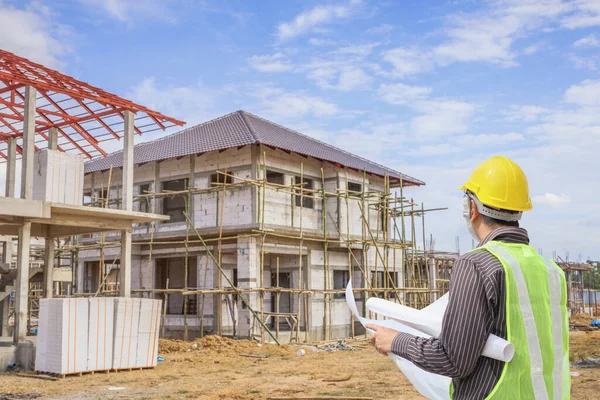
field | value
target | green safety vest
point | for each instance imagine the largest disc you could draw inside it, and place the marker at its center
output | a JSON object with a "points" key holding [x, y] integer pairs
{"points": [[536, 324]]}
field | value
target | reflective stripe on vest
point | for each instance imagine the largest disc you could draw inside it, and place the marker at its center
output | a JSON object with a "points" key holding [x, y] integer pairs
{"points": [[533, 343], [557, 329]]}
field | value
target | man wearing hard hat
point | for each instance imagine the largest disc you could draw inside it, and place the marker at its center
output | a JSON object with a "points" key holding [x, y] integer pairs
{"points": [[503, 287]]}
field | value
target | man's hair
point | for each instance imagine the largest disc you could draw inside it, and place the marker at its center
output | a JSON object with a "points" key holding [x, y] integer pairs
{"points": [[493, 221]]}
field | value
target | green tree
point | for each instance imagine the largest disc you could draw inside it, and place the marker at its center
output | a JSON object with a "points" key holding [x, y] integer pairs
{"points": [[594, 276]]}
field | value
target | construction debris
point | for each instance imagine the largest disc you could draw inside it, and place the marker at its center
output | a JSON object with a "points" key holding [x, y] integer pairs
{"points": [[586, 363], [339, 346], [15, 396]]}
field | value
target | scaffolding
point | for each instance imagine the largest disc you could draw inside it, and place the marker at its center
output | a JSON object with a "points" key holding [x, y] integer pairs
{"points": [[577, 293], [391, 239]]}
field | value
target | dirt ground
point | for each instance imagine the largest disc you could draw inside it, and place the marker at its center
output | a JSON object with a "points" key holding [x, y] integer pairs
{"points": [[212, 368]]}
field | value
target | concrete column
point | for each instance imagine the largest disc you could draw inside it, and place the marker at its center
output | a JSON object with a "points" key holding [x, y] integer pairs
{"points": [[156, 188], [11, 167], [49, 268], [53, 138], [433, 278], [127, 205], [7, 250], [28, 145], [248, 277], [125, 266], [4, 310], [22, 286]]}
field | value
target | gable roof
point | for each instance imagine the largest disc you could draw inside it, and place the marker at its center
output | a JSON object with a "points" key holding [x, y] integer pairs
{"points": [[242, 128]]}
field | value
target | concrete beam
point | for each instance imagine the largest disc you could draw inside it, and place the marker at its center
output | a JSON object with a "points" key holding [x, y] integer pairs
{"points": [[28, 143], [49, 268], [11, 167], [22, 286], [53, 138]]}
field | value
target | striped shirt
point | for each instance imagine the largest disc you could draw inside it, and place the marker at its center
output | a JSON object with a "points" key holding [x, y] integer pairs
{"points": [[475, 310]]}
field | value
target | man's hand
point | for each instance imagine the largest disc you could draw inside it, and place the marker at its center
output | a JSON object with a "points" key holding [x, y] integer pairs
{"points": [[382, 338]]}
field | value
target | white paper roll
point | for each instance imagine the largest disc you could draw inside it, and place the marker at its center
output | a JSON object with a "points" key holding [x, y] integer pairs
{"points": [[429, 321], [432, 386]]}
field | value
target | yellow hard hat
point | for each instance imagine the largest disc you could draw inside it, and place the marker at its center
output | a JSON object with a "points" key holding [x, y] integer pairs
{"points": [[500, 183]]}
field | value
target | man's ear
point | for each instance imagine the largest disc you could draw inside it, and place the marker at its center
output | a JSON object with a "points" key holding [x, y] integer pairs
{"points": [[474, 213]]}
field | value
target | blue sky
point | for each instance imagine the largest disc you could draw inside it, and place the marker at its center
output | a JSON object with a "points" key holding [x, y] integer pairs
{"points": [[430, 88]]}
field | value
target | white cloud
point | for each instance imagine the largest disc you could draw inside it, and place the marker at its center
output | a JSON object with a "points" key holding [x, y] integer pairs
{"points": [[359, 49], [551, 199], [534, 48], [587, 93], [488, 36], [33, 33], [192, 104], [322, 42], [338, 74], [270, 63], [441, 118], [276, 103], [400, 93], [408, 61], [380, 30], [586, 13], [351, 78], [584, 62], [587, 41], [482, 36], [527, 113], [490, 139], [129, 10], [320, 15]]}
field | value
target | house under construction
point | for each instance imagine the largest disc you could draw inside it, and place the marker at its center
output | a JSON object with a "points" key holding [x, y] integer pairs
{"points": [[266, 228]]}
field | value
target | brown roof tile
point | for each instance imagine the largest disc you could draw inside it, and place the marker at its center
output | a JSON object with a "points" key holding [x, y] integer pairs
{"points": [[241, 128]]}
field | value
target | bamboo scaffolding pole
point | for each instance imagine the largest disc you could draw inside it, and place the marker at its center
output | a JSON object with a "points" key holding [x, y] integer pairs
{"points": [[302, 183], [386, 239], [326, 301], [235, 289], [277, 299], [219, 252], [203, 297], [262, 245], [350, 254]]}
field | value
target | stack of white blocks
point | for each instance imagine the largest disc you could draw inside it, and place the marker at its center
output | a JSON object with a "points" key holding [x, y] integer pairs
{"points": [[127, 322], [58, 177], [96, 334], [147, 340], [63, 346], [101, 328]]}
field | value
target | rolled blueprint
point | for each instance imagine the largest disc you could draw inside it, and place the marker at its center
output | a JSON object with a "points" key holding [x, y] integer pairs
{"points": [[430, 385], [429, 321]]}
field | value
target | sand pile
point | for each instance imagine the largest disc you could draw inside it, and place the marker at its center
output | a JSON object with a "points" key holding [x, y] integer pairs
{"points": [[221, 345], [581, 318]]}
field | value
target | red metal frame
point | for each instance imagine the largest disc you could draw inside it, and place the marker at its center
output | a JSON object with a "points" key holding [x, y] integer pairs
{"points": [[84, 115]]}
